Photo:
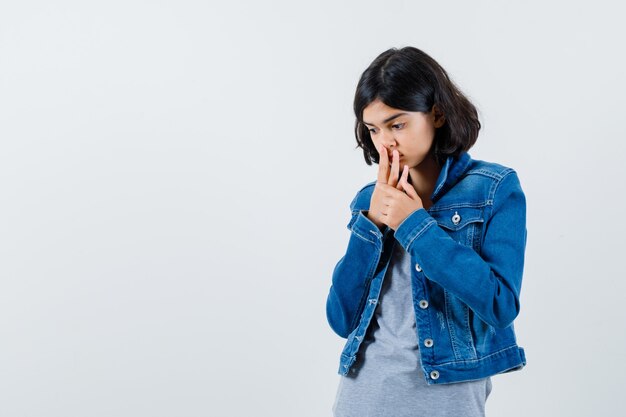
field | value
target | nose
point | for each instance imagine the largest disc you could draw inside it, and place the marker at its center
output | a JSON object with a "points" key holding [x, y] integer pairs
{"points": [[388, 142]]}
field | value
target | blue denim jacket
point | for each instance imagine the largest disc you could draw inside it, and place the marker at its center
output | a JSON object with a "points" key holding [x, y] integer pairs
{"points": [[467, 250]]}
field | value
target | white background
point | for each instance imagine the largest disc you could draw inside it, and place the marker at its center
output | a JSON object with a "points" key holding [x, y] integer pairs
{"points": [[175, 180]]}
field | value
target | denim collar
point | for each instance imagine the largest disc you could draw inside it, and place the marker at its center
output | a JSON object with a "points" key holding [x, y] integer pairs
{"points": [[450, 173]]}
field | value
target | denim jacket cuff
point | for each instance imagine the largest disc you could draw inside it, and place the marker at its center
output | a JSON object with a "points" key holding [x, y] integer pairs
{"points": [[413, 226], [366, 228]]}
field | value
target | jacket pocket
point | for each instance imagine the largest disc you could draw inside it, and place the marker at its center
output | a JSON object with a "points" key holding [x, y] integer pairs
{"points": [[463, 224]]}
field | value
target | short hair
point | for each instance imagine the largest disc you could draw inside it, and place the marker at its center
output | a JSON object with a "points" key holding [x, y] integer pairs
{"points": [[409, 79]]}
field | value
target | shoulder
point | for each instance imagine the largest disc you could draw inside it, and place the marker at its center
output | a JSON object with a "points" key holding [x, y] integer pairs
{"points": [[479, 184], [490, 169], [499, 181]]}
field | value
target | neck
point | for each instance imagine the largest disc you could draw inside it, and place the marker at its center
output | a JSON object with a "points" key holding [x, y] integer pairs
{"points": [[424, 178]]}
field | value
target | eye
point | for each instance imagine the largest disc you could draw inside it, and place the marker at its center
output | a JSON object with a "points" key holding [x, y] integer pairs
{"points": [[372, 131], [398, 125]]}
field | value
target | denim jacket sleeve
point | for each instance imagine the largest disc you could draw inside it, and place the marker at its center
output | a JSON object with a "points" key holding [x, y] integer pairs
{"points": [[352, 274], [489, 282]]}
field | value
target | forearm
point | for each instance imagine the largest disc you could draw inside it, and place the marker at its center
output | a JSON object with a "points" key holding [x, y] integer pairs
{"points": [[352, 275]]}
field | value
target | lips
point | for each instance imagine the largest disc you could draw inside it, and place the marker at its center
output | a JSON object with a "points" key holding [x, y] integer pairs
{"points": [[390, 155]]}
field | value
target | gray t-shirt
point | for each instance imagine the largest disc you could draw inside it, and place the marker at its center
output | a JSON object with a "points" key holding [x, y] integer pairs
{"points": [[386, 378]]}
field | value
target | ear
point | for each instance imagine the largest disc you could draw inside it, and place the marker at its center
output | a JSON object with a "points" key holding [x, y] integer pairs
{"points": [[439, 117]]}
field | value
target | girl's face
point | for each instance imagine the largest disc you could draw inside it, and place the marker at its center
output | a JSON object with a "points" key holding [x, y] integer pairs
{"points": [[411, 133]]}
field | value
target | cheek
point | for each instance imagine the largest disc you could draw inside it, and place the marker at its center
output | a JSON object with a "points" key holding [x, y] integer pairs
{"points": [[412, 138], [424, 137]]}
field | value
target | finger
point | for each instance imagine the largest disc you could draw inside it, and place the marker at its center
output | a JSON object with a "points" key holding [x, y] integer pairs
{"points": [[395, 166], [403, 177], [383, 165], [410, 190]]}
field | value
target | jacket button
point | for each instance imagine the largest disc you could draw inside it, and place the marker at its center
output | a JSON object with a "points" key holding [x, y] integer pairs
{"points": [[434, 374], [418, 268], [456, 218], [423, 303], [428, 342]]}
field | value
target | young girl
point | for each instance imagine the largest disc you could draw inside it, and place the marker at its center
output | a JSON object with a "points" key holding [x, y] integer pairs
{"points": [[429, 286]]}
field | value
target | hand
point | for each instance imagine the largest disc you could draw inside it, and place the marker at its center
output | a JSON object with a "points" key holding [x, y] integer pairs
{"points": [[393, 199]]}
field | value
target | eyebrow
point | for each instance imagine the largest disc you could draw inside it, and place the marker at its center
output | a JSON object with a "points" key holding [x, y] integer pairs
{"points": [[388, 119]]}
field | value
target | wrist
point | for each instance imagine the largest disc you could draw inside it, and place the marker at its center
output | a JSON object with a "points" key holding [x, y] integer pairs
{"points": [[380, 225]]}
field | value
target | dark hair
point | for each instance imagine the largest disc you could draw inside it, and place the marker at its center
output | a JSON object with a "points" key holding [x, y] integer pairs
{"points": [[409, 79]]}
